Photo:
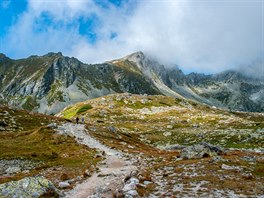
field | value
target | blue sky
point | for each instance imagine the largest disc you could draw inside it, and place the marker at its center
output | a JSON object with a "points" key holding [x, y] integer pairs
{"points": [[202, 36]]}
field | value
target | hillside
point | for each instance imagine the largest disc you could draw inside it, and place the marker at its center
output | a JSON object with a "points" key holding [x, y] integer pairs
{"points": [[137, 146], [31, 146], [161, 132], [51, 82]]}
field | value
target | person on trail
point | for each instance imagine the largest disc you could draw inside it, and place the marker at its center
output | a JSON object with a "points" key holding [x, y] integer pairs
{"points": [[77, 120], [83, 120]]}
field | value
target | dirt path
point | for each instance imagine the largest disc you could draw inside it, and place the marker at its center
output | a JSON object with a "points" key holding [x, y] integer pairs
{"points": [[111, 172]]}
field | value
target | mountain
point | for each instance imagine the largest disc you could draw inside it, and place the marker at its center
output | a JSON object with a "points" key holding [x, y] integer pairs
{"points": [[49, 83], [230, 89]]}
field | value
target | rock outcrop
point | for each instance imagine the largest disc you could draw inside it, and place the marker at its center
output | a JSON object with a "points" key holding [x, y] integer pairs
{"points": [[200, 150], [29, 187]]}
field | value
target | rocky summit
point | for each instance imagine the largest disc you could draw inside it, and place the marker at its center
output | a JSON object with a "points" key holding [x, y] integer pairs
{"points": [[49, 83]]}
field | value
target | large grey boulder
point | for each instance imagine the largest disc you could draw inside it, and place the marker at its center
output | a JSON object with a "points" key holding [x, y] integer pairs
{"points": [[29, 187], [200, 150]]}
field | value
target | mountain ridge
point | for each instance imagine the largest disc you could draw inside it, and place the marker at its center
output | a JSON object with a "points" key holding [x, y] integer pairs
{"points": [[51, 82]]}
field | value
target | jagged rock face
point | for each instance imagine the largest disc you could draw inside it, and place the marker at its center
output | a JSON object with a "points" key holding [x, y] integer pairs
{"points": [[231, 90], [51, 82]]}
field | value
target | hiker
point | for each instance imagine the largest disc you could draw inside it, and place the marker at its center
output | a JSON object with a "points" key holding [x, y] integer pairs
{"points": [[83, 120], [77, 120]]}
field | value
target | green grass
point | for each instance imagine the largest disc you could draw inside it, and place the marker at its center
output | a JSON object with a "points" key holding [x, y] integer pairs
{"points": [[84, 108], [72, 111]]}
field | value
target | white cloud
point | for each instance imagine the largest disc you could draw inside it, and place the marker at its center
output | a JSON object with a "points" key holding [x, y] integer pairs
{"points": [[205, 36], [201, 36]]}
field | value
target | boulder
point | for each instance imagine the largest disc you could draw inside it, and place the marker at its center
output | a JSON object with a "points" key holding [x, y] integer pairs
{"points": [[29, 187], [200, 150]]}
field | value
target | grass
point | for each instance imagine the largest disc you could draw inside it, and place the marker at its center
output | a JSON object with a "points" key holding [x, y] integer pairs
{"points": [[40, 143], [72, 111], [84, 108]]}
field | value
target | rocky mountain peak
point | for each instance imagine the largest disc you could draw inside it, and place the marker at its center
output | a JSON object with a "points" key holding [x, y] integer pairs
{"points": [[3, 57], [53, 54], [136, 57]]}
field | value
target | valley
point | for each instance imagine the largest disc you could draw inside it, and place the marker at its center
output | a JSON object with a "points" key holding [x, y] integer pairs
{"points": [[136, 146]]}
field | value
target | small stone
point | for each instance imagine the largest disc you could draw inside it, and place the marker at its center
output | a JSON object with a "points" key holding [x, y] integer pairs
{"points": [[226, 167], [112, 129], [86, 173], [169, 126], [78, 178], [52, 125], [167, 134], [131, 193], [248, 176], [130, 186], [64, 184], [147, 182], [134, 180]]}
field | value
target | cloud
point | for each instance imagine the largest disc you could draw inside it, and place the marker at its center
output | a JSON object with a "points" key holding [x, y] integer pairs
{"points": [[203, 36], [200, 36]]}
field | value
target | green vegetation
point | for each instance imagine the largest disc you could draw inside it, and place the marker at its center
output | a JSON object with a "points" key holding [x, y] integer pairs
{"points": [[55, 94], [84, 108], [72, 111], [30, 103]]}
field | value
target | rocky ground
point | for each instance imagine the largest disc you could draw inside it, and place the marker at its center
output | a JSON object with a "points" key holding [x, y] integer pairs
{"points": [[182, 149], [139, 146]]}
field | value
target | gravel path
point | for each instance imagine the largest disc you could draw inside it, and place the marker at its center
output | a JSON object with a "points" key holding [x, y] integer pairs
{"points": [[111, 172]]}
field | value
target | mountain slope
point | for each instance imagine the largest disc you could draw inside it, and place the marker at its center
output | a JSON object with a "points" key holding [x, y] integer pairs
{"points": [[230, 89], [51, 82]]}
